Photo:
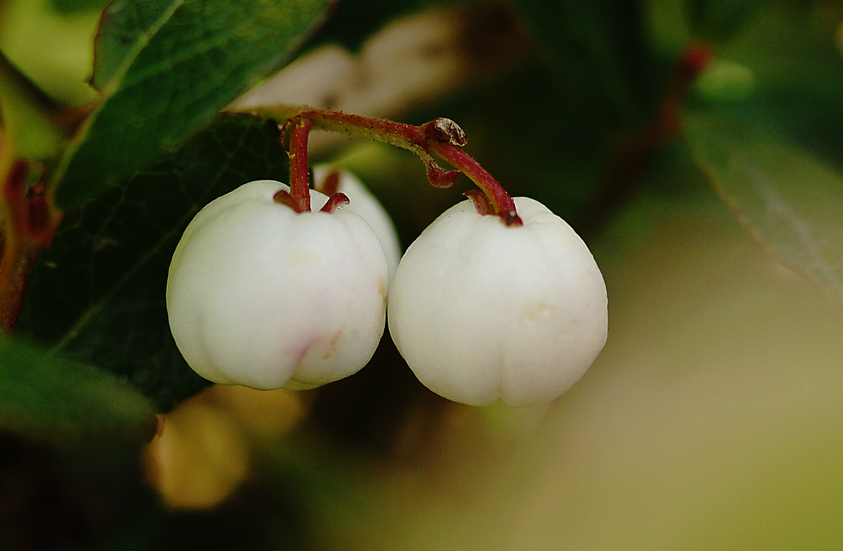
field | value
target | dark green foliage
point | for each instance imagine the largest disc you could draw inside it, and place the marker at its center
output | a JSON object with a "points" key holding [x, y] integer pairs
{"points": [[166, 68], [49, 398], [98, 293], [72, 7]]}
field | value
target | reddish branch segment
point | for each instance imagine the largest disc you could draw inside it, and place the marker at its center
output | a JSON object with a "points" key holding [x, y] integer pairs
{"points": [[442, 137], [28, 227], [694, 59]]}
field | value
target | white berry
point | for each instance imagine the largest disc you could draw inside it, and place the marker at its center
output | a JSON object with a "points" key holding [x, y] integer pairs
{"points": [[265, 297], [362, 202], [483, 311]]}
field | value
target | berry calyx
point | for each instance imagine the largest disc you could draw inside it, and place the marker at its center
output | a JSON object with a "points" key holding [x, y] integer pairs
{"points": [[483, 310], [263, 296]]}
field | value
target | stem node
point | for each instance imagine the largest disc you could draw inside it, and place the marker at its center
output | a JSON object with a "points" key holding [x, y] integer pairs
{"points": [[442, 130]]}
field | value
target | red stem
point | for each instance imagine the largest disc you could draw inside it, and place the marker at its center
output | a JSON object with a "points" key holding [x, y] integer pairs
{"points": [[299, 176], [15, 264], [394, 133], [15, 267], [440, 136], [28, 227], [502, 203]]}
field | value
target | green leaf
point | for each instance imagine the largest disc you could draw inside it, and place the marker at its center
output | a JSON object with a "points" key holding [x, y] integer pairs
{"points": [[125, 29], [165, 69], [45, 397], [98, 293], [789, 198]]}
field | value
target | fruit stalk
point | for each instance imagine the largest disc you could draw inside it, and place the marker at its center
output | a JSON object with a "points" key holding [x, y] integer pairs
{"points": [[441, 136], [502, 204], [299, 177]]}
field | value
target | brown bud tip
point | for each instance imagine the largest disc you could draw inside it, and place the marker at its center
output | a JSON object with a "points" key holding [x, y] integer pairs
{"points": [[283, 197], [441, 178], [444, 130], [511, 218], [336, 201], [481, 202]]}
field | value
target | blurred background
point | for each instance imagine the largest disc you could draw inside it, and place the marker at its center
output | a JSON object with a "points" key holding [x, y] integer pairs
{"points": [[711, 420]]}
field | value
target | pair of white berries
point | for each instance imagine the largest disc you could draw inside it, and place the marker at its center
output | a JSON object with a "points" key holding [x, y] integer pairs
{"points": [[262, 296]]}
